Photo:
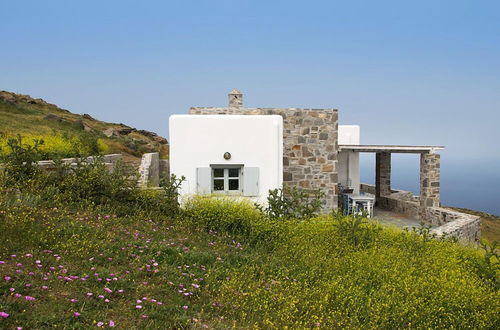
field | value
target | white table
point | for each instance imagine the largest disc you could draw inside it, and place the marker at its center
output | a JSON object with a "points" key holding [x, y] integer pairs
{"points": [[361, 199]]}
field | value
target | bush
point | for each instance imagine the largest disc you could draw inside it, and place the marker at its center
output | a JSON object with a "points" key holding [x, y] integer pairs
{"points": [[236, 217], [292, 203], [19, 161], [86, 185]]}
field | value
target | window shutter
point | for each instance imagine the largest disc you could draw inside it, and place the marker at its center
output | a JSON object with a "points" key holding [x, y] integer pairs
{"points": [[203, 180], [250, 181]]}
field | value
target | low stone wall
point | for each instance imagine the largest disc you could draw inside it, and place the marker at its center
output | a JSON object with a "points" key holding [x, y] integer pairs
{"points": [[109, 160], [465, 227], [398, 201]]}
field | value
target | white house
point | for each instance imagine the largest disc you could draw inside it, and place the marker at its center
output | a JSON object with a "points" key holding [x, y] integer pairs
{"points": [[228, 155]]}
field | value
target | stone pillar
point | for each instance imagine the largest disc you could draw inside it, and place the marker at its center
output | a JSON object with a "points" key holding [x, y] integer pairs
{"points": [[382, 174], [149, 170], [235, 99], [430, 176]]}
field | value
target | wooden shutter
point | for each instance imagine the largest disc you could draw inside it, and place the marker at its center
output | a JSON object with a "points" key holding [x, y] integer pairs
{"points": [[203, 180], [250, 181]]}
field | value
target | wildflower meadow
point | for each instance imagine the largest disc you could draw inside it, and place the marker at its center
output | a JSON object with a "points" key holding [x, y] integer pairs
{"points": [[73, 256]]}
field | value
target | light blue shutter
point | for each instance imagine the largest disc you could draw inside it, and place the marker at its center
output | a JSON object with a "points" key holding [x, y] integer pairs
{"points": [[250, 181], [203, 180]]}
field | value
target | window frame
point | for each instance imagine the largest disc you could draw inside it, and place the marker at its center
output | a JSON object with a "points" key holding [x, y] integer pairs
{"points": [[226, 179]]}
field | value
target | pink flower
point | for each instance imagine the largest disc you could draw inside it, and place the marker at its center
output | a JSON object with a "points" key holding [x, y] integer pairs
{"points": [[100, 296], [18, 295], [89, 294], [138, 307], [73, 300], [2, 262], [44, 287], [185, 307], [38, 262], [29, 298], [111, 323], [100, 324], [4, 315], [76, 314], [108, 290], [12, 289], [29, 255], [120, 291]]}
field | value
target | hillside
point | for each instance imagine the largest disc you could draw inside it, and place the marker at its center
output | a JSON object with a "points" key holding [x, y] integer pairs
{"points": [[22, 114]]}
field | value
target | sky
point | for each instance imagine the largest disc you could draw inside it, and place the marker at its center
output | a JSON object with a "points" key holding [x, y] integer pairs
{"points": [[408, 72]]}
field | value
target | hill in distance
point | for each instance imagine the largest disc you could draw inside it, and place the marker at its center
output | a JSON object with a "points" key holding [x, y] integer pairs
{"points": [[22, 114]]}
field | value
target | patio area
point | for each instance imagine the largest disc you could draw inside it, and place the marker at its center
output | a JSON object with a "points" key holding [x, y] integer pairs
{"points": [[391, 218]]}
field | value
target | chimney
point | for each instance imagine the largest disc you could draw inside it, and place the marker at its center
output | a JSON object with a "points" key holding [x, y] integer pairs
{"points": [[235, 99]]}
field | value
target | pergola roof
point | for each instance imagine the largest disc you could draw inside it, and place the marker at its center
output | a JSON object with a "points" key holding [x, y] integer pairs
{"points": [[389, 148]]}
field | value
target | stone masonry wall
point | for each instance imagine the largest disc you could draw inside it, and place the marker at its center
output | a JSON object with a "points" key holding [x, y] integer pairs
{"points": [[465, 227], [149, 170], [310, 146]]}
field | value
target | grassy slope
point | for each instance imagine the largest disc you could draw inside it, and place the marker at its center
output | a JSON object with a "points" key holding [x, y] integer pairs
{"points": [[21, 114], [207, 278]]}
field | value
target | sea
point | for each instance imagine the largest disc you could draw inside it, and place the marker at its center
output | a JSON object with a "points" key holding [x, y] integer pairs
{"points": [[471, 183]]}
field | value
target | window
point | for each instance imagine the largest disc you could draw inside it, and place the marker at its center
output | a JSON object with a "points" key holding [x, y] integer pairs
{"points": [[226, 179]]}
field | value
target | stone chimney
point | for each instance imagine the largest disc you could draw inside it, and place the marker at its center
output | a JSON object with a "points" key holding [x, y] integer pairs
{"points": [[235, 99]]}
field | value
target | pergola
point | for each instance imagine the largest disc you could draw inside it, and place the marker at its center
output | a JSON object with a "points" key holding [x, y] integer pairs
{"points": [[429, 169]]}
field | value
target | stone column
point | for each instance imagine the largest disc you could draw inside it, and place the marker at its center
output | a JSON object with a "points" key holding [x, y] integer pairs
{"points": [[382, 174], [430, 175], [149, 170]]}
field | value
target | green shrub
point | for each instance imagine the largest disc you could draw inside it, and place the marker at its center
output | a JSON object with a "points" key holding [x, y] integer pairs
{"points": [[19, 161], [292, 203], [233, 216]]}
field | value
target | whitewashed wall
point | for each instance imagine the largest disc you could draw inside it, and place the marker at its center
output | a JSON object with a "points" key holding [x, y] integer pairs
{"points": [[348, 169], [198, 141]]}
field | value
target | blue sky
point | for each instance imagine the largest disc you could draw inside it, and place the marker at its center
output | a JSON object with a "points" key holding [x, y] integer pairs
{"points": [[420, 72]]}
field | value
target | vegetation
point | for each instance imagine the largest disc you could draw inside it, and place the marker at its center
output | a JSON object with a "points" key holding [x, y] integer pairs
{"points": [[84, 247], [66, 134]]}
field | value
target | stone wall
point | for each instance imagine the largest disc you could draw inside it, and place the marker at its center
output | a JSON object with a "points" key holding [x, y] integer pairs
{"points": [[310, 146], [149, 170], [395, 200], [109, 160], [465, 227]]}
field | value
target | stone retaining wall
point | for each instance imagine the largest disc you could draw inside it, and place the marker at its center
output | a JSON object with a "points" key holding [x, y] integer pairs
{"points": [[109, 160], [464, 227]]}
